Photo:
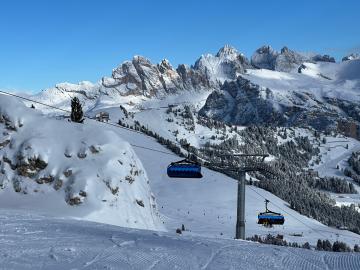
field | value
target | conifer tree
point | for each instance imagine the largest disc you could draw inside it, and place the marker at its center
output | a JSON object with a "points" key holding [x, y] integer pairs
{"points": [[76, 111]]}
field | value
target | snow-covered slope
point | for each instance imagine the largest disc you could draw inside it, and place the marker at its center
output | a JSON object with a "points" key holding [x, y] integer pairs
{"points": [[32, 241], [208, 206], [286, 60], [69, 169], [313, 91], [319, 96]]}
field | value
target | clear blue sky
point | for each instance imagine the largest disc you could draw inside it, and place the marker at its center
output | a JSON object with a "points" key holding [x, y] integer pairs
{"points": [[46, 42]]}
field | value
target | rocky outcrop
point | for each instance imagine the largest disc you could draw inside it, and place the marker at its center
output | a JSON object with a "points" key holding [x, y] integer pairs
{"points": [[287, 60], [242, 102], [323, 58], [352, 56], [225, 65], [48, 164], [264, 57], [141, 77]]}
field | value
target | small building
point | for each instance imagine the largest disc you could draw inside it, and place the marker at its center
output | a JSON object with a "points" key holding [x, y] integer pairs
{"points": [[102, 117]]}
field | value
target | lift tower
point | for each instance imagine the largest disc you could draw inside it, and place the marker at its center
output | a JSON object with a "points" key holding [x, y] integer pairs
{"points": [[250, 165]]}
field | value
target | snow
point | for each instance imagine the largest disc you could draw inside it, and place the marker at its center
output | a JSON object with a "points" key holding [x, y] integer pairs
{"points": [[33, 241], [334, 155], [207, 207], [79, 159], [333, 80]]}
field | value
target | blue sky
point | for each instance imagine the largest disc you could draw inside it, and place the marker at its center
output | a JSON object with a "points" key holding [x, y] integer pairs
{"points": [[46, 42]]}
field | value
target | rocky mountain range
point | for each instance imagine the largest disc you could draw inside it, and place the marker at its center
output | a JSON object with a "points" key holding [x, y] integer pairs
{"points": [[284, 88], [202, 110]]}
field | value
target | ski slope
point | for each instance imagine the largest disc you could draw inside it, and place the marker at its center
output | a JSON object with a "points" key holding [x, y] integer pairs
{"points": [[207, 207], [32, 241]]}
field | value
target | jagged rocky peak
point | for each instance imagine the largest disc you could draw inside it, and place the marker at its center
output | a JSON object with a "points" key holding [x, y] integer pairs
{"points": [[226, 51], [264, 57], [164, 66], [141, 77], [323, 58], [353, 56], [225, 65], [142, 61], [286, 60], [193, 79]]}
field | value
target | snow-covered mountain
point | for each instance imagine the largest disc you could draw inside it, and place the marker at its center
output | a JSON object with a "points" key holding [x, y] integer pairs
{"points": [[286, 60], [227, 64], [319, 95], [286, 88], [68, 169], [209, 104]]}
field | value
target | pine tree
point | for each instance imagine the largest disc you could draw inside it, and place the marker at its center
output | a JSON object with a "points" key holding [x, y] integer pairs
{"points": [[306, 245], [319, 245], [327, 245], [76, 111]]}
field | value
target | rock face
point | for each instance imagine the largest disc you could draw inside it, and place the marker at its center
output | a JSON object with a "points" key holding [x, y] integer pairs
{"points": [[238, 100], [323, 58], [141, 77], [286, 61], [264, 57], [243, 102], [225, 65]]}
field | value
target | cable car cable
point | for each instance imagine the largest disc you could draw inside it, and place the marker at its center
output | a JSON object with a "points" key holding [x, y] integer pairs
{"points": [[87, 117]]}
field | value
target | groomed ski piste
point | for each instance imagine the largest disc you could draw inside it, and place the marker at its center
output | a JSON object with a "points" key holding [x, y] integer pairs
{"points": [[32, 241]]}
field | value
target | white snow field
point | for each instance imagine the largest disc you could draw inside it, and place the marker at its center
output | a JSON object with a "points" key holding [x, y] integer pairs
{"points": [[72, 170], [32, 241], [322, 80], [208, 206]]}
